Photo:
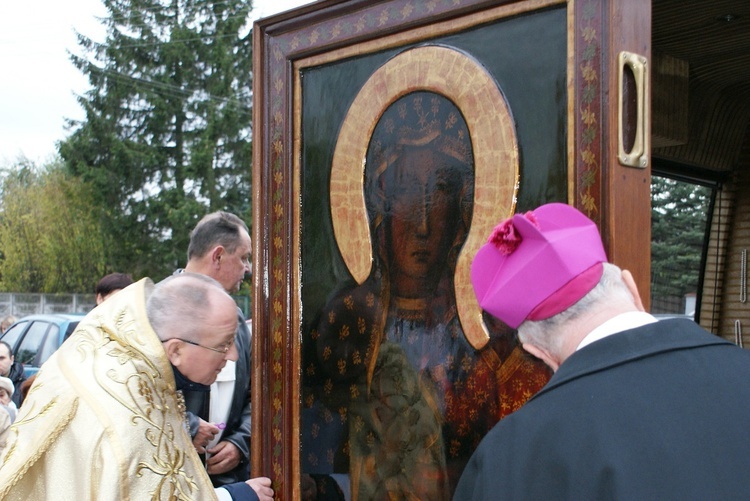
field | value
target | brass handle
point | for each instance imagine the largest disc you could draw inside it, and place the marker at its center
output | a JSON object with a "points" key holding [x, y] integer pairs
{"points": [[633, 143]]}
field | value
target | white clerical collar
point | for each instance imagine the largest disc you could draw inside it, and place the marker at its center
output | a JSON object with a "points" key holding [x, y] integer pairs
{"points": [[621, 322]]}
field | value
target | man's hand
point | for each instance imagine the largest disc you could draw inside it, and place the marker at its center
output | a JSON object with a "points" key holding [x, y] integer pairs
{"points": [[205, 434], [262, 487], [224, 457]]}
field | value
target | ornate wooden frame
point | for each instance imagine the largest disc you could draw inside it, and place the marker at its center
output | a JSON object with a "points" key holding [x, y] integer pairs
{"points": [[333, 29]]}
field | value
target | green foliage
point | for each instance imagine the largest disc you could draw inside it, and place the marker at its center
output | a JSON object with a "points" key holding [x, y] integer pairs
{"points": [[50, 232], [678, 225], [166, 138]]}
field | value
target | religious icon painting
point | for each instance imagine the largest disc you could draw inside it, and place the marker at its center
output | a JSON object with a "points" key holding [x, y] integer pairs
{"points": [[403, 152]]}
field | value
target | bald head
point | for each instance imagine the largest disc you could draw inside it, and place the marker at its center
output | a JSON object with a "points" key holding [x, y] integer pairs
{"points": [[196, 321], [186, 302]]}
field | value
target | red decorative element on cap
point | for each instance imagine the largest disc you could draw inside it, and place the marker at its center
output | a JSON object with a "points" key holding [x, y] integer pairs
{"points": [[506, 238]]}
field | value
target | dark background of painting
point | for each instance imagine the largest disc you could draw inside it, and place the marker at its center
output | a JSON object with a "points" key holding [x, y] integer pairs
{"points": [[527, 57]]}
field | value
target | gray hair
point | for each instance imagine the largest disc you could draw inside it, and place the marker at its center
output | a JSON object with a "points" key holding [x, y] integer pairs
{"points": [[547, 333], [182, 302], [217, 228]]}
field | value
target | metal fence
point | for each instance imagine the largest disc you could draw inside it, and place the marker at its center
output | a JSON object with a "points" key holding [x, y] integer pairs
{"points": [[20, 304]]}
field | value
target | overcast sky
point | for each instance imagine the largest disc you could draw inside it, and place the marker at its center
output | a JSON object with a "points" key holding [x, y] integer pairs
{"points": [[39, 83]]}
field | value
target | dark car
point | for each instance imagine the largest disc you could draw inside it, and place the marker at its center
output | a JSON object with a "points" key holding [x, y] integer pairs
{"points": [[34, 338]]}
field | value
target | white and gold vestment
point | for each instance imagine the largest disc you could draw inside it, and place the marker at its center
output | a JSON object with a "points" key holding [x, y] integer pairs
{"points": [[104, 420]]}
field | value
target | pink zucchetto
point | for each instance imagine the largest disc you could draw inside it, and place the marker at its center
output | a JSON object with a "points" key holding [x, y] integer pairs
{"points": [[538, 264]]}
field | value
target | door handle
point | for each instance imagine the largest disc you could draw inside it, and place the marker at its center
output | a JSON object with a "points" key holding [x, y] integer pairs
{"points": [[633, 111]]}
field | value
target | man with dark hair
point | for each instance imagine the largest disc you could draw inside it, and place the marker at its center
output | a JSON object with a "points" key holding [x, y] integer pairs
{"points": [[219, 415], [11, 369], [109, 284], [637, 408]]}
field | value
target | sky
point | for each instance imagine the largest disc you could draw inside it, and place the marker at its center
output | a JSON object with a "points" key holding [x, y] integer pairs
{"points": [[39, 84]]}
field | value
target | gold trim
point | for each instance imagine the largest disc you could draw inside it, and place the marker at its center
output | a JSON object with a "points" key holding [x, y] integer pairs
{"points": [[64, 410], [512, 364], [504, 369], [472, 89], [423, 33], [295, 313]]}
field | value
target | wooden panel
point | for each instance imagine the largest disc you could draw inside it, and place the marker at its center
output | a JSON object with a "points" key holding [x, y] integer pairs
{"points": [[713, 38], [669, 104], [627, 199], [717, 124]]}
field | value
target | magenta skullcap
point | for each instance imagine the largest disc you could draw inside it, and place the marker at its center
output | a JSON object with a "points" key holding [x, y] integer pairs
{"points": [[538, 264]]}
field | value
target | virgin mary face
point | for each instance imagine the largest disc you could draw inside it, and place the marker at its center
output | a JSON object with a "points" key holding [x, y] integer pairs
{"points": [[424, 214]]}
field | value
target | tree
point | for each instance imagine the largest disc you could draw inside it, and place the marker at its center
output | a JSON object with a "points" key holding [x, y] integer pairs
{"points": [[50, 233], [166, 137], [678, 226]]}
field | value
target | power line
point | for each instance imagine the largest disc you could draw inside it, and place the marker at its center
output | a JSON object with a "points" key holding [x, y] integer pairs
{"points": [[175, 91], [165, 42]]}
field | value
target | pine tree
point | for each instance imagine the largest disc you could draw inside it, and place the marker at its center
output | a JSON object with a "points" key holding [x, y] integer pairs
{"points": [[678, 225], [166, 137]]}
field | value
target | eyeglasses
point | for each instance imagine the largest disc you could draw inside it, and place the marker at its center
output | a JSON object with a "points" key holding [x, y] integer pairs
{"points": [[223, 350]]}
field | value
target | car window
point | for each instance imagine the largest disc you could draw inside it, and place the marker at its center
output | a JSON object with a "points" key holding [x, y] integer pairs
{"points": [[32, 342], [51, 343], [71, 328], [13, 333]]}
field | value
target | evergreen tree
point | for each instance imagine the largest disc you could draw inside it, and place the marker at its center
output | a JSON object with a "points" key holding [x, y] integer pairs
{"points": [[167, 132], [678, 226]]}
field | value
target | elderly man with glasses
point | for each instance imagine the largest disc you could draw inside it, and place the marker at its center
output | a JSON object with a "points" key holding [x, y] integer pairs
{"points": [[107, 412]]}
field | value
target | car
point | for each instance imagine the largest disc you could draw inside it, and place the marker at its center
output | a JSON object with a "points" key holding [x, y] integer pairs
{"points": [[34, 338]]}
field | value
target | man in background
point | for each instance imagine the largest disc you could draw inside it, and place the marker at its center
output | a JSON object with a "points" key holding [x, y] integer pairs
{"points": [[637, 408], [11, 369], [220, 247], [109, 284]]}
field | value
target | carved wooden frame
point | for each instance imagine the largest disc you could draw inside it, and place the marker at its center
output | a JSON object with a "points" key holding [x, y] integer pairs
{"points": [[323, 32]]}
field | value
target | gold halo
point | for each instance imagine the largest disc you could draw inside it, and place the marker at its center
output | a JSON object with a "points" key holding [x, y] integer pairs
{"points": [[464, 81]]}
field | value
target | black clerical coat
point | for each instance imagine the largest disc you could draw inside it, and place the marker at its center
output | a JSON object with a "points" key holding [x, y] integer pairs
{"points": [[657, 412]]}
